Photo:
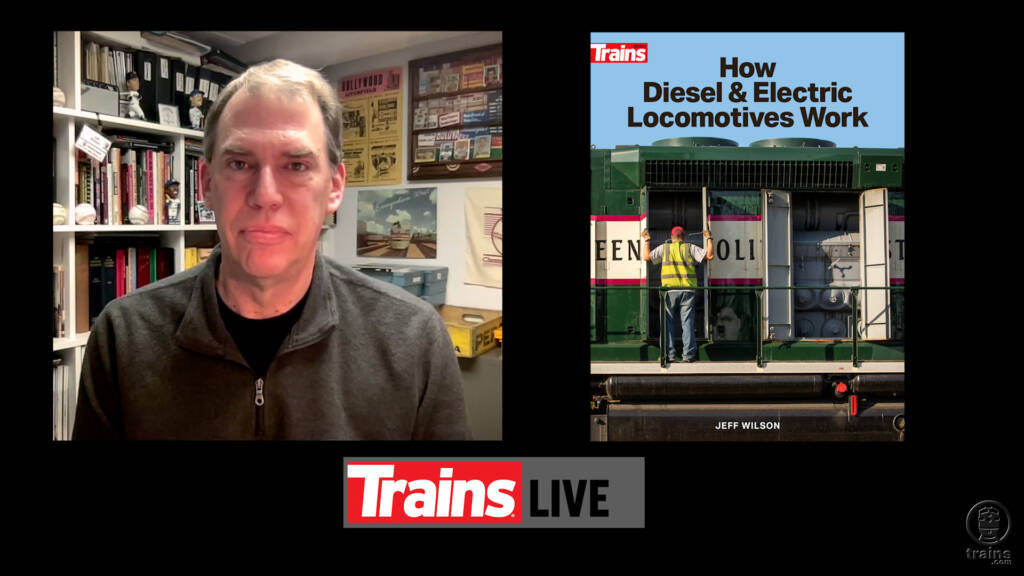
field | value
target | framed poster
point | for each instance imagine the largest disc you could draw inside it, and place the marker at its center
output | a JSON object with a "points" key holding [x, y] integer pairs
{"points": [[397, 223], [456, 115], [484, 232], [372, 126]]}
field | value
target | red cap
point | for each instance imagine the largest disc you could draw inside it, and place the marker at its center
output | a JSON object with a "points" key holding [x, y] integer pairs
{"points": [[679, 230]]}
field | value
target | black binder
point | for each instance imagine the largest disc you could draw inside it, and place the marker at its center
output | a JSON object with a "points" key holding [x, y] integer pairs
{"points": [[178, 74], [164, 81], [146, 66]]}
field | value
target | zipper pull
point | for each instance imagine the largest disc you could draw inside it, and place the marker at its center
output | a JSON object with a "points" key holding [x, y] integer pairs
{"points": [[259, 391]]}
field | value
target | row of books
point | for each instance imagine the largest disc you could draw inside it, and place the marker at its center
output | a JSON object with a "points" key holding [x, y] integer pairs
{"points": [[129, 177], [195, 256], [63, 400], [196, 209], [136, 172], [107, 270], [162, 79]]}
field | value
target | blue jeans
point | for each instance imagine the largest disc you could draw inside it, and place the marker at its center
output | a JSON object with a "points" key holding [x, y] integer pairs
{"points": [[679, 304]]}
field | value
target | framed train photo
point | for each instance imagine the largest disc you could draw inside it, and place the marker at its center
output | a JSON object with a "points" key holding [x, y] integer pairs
{"points": [[456, 115], [397, 223]]}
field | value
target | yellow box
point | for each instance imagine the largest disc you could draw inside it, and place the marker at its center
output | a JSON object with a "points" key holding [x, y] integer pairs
{"points": [[471, 329]]}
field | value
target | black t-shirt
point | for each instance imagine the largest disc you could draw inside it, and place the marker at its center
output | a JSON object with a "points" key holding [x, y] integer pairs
{"points": [[259, 340]]}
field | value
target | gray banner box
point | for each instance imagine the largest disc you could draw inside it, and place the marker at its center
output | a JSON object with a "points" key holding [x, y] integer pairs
{"points": [[623, 496]]}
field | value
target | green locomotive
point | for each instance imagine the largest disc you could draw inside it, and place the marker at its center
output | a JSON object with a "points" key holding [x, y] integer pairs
{"points": [[799, 318]]}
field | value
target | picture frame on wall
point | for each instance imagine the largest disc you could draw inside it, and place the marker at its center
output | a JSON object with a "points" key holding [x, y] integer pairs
{"points": [[455, 115]]}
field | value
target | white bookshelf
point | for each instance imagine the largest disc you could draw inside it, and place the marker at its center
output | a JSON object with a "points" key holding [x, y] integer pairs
{"points": [[67, 123]]}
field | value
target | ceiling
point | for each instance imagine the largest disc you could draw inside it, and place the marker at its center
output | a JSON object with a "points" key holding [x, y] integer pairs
{"points": [[314, 49]]}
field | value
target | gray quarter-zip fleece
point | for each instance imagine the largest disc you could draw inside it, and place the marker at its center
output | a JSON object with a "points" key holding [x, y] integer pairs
{"points": [[366, 360]]}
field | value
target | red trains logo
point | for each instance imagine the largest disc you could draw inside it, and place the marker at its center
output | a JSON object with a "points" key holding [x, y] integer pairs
{"points": [[635, 52], [432, 492]]}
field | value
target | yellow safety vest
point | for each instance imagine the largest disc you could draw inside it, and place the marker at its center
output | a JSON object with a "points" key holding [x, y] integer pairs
{"points": [[678, 270]]}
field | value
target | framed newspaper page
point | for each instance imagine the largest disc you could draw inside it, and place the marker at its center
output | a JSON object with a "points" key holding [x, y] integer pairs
{"points": [[455, 115]]}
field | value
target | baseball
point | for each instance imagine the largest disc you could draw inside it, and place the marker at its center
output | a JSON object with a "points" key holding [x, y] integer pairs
{"points": [[60, 214], [139, 214], [85, 214]]}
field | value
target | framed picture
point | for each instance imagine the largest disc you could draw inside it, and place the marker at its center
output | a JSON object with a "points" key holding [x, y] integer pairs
{"points": [[456, 115], [169, 115], [397, 223]]}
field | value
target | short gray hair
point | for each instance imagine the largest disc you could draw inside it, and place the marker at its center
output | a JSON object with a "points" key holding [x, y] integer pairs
{"points": [[281, 76]]}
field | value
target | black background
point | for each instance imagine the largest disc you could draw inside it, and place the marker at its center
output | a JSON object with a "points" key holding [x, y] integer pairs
{"points": [[858, 505]]}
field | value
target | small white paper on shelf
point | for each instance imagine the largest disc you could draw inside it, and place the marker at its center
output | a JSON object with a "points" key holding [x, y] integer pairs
{"points": [[93, 143]]}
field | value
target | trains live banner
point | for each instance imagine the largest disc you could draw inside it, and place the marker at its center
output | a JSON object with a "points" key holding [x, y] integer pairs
{"points": [[483, 229]]}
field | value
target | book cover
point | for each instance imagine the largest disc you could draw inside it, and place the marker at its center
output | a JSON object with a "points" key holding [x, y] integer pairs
{"points": [[152, 265], [133, 266], [164, 262], [451, 80], [426, 155], [119, 273], [142, 266], [430, 82], [158, 188], [95, 282], [81, 288], [446, 151], [59, 330], [472, 76], [449, 119], [150, 183], [115, 181], [461, 149], [482, 147], [109, 277]]}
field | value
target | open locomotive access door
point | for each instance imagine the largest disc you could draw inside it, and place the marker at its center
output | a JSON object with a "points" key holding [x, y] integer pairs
{"points": [[778, 258], [874, 304], [735, 220]]}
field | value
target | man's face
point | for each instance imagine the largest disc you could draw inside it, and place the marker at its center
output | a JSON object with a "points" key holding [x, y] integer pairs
{"points": [[728, 324], [271, 183], [197, 100], [133, 84]]}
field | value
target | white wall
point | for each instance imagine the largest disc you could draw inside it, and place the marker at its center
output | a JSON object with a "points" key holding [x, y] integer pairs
{"points": [[340, 242]]}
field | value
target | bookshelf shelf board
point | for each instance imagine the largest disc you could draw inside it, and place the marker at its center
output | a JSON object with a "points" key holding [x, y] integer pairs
{"points": [[67, 343], [125, 123], [59, 112], [133, 228]]}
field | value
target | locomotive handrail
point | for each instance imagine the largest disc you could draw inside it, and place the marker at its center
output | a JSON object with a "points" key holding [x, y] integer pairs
{"points": [[759, 340]]}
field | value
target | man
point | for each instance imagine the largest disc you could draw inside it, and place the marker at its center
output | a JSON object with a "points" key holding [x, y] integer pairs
{"points": [[679, 262], [268, 339]]}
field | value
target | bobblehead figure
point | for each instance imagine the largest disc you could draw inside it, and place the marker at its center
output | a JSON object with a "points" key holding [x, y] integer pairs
{"points": [[130, 100], [195, 114]]}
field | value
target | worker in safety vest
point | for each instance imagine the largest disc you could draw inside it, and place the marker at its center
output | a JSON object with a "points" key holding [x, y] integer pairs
{"points": [[679, 260]]}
